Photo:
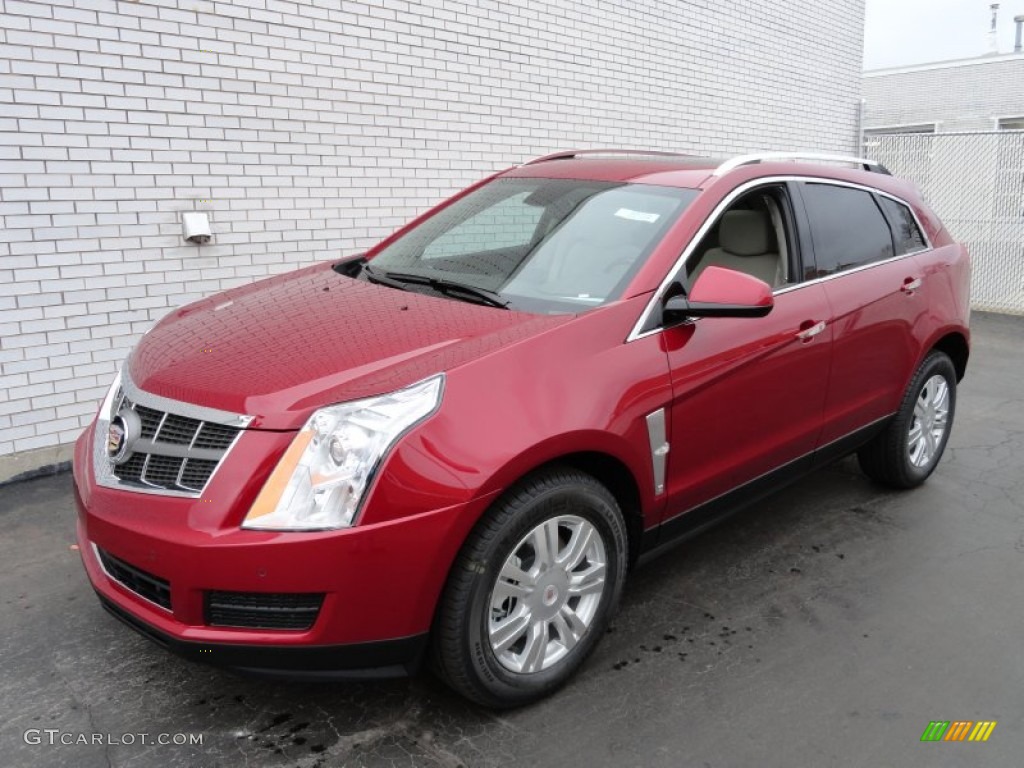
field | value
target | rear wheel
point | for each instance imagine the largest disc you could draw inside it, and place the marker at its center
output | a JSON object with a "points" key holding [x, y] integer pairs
{"points": [[906, 453], [532, 590]]}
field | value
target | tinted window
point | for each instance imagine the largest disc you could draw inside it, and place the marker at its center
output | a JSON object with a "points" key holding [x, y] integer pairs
{"points": [[847, 228], [904, 228]]}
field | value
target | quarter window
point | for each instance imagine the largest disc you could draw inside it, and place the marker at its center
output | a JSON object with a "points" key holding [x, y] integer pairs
{"points": [[847, 228], [904, 227]]}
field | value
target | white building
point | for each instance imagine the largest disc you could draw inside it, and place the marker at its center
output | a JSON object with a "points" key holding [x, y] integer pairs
{"points": [[308, 129], [979, 94]]}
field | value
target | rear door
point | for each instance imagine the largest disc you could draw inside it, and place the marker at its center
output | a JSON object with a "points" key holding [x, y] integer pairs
{"points": [[872, 284]]}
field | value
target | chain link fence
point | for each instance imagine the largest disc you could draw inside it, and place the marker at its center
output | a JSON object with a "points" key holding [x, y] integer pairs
{"points": [[975, 183]]}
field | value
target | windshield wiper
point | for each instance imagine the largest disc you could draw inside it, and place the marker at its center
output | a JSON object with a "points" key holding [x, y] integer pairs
{"points": [[449, 288], [382, 278]]}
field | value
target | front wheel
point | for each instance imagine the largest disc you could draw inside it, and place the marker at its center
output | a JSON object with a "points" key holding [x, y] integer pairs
{"points": [[532, 590], [906, 453]]}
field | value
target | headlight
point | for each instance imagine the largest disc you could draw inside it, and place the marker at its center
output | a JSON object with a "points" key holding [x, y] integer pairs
{"points": [[101, 467], [321, 480]]}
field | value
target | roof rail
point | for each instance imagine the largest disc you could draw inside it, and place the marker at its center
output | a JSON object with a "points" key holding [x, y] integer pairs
{"points": [[571, 153], [767, 157]]}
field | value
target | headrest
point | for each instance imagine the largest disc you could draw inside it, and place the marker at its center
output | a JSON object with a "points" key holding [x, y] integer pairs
{"points": [[745, 233]]}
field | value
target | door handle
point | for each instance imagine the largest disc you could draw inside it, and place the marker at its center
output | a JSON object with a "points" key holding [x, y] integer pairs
{"points": [[910, 285], [809, 329]]}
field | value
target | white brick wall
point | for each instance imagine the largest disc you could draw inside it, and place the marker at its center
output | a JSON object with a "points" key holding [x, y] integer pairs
{"points": [[309, 129], [966, 96]]}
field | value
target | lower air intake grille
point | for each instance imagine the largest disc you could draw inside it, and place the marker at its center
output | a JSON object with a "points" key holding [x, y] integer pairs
{"points": [[263, 610], [146, 585]]}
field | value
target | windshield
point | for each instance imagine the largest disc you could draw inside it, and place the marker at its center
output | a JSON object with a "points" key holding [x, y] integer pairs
{"points": [[537, 245]]}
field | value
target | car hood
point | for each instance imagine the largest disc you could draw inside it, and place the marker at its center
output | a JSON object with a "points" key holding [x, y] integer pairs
{"points": [[279, 348]]}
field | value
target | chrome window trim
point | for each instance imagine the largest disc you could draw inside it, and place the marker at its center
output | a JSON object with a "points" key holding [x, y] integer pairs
{"points": [[99, 560], [637, 332], [844, 273]]}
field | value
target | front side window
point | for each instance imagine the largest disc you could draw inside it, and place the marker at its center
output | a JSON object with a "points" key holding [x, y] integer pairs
{"points": [[847, 228], [754, 235], [541, 245]]}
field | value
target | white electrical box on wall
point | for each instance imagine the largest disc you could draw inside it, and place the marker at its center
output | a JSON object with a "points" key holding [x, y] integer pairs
{"points": [[195, 228]]}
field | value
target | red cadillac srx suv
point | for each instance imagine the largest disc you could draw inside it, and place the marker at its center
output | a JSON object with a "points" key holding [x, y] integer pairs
{"points": [[455, 446]]}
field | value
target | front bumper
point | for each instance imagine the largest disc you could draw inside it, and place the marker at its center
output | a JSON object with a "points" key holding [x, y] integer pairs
{"points": [[380, 582], [380, 660]]}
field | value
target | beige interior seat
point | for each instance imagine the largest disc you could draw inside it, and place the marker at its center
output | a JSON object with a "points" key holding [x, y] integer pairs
{"points": [[746, 244]]}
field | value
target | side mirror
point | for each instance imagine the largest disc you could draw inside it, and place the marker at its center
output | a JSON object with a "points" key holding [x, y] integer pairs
{"points": [[721, 292]]}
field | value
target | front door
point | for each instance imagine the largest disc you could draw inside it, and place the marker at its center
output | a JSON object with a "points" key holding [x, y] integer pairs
{"points": [[748, 396], [747, 393]]}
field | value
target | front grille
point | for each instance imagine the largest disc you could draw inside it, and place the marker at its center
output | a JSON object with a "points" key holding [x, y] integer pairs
{"points": [[151, 418], [162, 471], [216, 436], [132, 469], [146, 585], [263, 610], [196, 473], [178, 430], [176, 453]]}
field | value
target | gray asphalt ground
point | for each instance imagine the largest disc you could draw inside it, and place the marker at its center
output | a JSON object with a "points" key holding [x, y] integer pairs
{"points": [[825, 627]]}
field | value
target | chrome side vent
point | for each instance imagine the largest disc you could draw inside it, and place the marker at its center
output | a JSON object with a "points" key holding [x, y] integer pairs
{"points": [[659, 448]]}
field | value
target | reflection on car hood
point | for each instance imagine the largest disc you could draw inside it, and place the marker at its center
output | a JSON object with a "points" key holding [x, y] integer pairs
{"points": [[280, 347]]}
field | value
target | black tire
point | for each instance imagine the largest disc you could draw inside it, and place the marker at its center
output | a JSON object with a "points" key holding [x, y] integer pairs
{"points": [[461, 651], [886, 459]]}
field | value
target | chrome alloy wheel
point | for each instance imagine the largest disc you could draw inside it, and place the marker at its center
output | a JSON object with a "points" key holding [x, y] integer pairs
{"points": [[547, 594], [931, 419]]}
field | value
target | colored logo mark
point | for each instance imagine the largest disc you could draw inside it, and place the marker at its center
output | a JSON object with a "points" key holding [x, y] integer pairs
{"points": [[958, 730]]}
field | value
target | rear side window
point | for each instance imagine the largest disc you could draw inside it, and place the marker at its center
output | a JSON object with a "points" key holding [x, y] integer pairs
{"points": [[905, 231], [847, 228]]}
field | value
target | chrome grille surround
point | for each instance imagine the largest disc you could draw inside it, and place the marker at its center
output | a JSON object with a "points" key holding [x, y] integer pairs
{"points": [[180, 448]]}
